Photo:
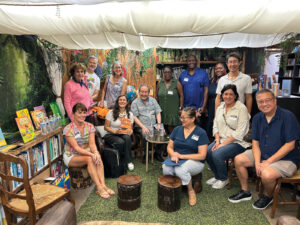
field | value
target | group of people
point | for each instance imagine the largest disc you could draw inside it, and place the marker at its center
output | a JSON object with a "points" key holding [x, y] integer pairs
{"points": [[226, 99]]}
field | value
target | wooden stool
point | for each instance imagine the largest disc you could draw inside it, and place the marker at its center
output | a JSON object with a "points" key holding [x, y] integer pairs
{"points": [[129, 192], [80, 177], [168, 192]]}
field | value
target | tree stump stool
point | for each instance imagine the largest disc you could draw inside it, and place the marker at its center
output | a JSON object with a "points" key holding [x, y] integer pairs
{"points": [[168, 192], [129, 192], [80, 177]]}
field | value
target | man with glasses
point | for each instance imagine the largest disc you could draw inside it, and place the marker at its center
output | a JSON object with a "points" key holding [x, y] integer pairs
{"points": [[242, 81], [275, 154], [146, 112]]}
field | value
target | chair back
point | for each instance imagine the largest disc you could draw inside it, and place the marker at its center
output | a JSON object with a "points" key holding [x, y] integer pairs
{"points": [[6, 191]]}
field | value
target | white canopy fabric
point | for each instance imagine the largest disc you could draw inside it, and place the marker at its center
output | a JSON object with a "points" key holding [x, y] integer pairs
{"points": [[140, 25]]}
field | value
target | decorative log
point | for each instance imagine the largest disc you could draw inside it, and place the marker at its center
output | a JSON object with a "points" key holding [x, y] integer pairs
{"points": [[80, 177], [129, 192], [169, 192]]}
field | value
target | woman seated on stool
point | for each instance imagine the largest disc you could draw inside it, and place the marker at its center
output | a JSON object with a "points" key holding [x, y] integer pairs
{"points": [[117, 136], [231, 124], [80, 149], [187, 148]]}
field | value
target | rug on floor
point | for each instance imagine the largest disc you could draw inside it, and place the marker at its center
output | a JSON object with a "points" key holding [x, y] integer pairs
{"points": [[212, 205]]}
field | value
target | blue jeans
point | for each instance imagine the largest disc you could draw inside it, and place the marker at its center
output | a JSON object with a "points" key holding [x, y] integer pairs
{"points": [[217, 159]]}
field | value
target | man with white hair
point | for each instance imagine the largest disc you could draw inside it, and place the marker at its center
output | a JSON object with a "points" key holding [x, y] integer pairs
{"points": [[91, 78]]}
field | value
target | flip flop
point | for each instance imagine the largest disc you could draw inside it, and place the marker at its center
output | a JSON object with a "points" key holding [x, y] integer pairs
{"points": [[109, 191], [103, 194]]}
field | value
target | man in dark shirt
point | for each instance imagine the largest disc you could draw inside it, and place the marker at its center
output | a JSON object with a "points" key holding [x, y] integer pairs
{"points": [[275, 154]]}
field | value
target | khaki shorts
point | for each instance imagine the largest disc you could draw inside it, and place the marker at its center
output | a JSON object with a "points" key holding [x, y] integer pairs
{"points": [[284, 167]]}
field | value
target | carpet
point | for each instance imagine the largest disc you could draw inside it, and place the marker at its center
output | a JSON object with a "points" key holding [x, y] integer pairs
{"points": [[212, 205], [118, 223]]}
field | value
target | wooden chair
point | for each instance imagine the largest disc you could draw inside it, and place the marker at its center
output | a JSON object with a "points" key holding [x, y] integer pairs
{"points": [[33, 200], [295, 179]]}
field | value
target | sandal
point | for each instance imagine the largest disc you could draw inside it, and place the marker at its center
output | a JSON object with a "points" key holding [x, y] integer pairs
{"points": [[192, 198], [103, 194], [109, 191]]}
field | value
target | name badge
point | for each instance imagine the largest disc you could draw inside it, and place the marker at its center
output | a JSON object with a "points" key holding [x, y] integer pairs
{"points": [[170, 92], [186, 79], [195, 137]]}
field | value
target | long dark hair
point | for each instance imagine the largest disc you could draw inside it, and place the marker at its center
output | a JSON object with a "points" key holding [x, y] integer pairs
{"points": [[116, 109], [215, 76]]}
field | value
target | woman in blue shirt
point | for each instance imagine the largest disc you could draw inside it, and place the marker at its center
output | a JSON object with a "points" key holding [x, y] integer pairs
{"points": [[187, 149]]}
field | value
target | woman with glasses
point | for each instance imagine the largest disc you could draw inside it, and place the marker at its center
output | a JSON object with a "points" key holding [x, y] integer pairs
{"points": [[114, 86], [231, 124], [170, 99], [187, 149]]}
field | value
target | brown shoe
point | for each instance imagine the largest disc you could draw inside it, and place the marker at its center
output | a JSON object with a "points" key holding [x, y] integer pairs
{"points": [[192, 198]]}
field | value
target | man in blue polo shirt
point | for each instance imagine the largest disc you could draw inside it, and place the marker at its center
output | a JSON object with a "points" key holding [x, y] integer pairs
{"points": [[275, 154], [195, 83]]}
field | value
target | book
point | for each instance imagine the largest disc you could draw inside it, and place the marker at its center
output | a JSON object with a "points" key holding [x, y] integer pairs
{"points": [[2, 139], [6, 148], [26, 129], [55, 109], [23, 113], [40, 108], [286, 87], [125, 125], [37, 117]]}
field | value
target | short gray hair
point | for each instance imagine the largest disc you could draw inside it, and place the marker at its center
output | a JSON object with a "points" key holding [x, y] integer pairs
{"points": [[144, 85], [264, 90], [93, 57]]}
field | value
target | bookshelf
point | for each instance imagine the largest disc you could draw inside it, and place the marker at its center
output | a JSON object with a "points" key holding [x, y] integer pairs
{"points": [[43, 155], [291, 72]]}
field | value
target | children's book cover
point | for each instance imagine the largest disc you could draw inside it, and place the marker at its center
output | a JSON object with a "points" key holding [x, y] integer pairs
{"points": [[2, 139], [41, 108], [26, 129], [125, 125], [23, 113], [37, 117]]}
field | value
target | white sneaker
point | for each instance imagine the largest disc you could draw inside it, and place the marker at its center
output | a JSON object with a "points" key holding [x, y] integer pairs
{"points": [[130, 166], [220, 184], [211, 181]]}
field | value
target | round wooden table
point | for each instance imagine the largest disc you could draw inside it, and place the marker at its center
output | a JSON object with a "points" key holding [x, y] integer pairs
{"points": [[156, 139]]}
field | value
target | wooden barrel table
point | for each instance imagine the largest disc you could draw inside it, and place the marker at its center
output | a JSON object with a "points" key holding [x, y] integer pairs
{"points": [[80, 177], [169, 192], [129, 192]]}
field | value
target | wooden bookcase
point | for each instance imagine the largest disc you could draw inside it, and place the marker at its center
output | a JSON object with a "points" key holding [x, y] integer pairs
{"points": [[45, 171], [291, 72]]}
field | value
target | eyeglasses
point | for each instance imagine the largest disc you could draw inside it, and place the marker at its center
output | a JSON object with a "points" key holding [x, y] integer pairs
{"points": [[167, 72], [267, 100], [233, 62], [184, 118]]}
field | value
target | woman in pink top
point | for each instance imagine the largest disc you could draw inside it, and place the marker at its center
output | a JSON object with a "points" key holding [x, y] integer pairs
{"points": [[76, 90]]}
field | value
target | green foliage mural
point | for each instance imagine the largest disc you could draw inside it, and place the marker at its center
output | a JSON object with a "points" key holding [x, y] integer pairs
{"points": [[24, 81]]}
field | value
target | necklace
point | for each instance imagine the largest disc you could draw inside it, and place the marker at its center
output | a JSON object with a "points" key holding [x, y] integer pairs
{"points": [[122, 114]]}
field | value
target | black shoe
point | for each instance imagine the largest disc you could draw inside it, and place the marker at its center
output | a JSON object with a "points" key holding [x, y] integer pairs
{"points": [[262, 203], [241, 196], [158, 157]]}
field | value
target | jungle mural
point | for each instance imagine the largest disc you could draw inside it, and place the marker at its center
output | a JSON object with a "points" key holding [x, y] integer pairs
{"points": [[24, 81]]}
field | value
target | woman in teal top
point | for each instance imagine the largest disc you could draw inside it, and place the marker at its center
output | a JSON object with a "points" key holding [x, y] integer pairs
{"points": [[170, 99]]}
